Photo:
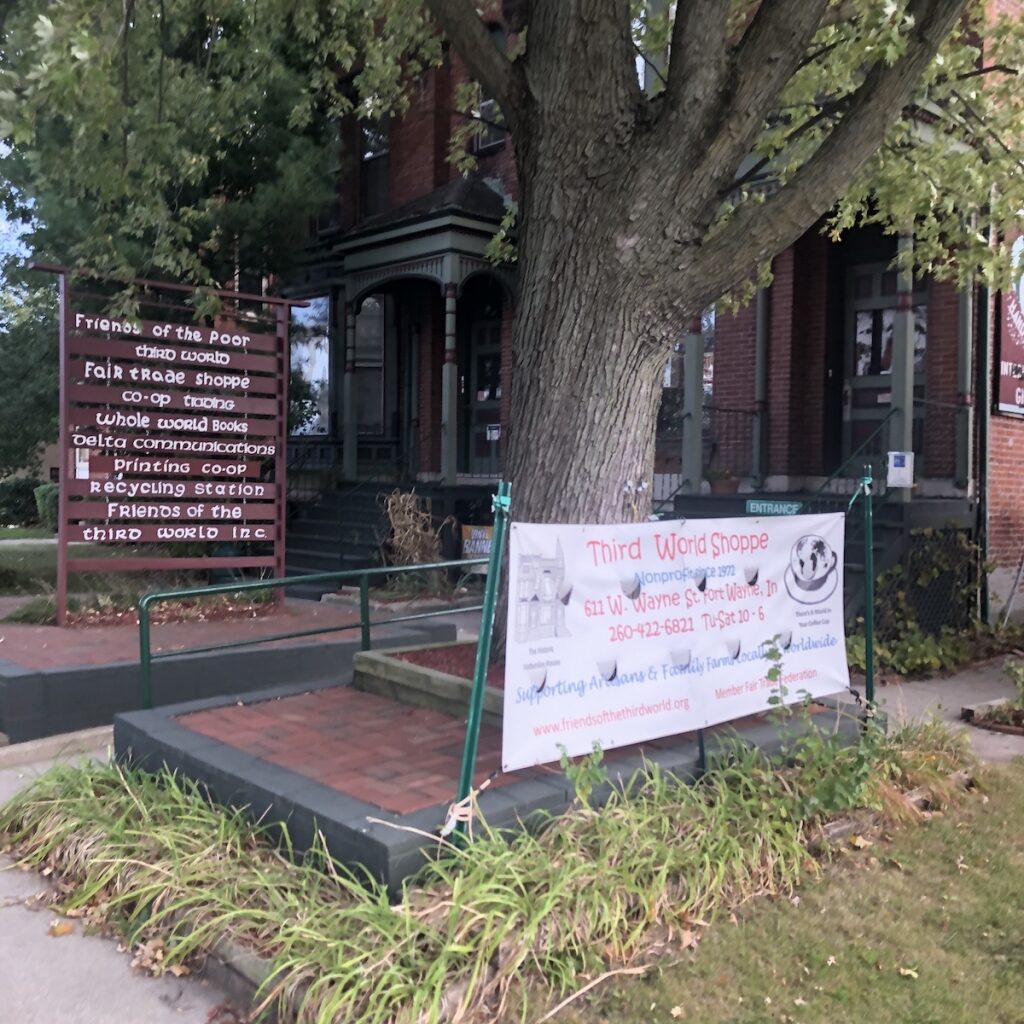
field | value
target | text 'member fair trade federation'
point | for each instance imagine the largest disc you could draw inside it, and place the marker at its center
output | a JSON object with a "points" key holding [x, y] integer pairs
{"points": [[624, 633]]}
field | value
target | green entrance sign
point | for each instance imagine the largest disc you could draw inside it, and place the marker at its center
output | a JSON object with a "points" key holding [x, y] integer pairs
{"points": [[760, 507]]}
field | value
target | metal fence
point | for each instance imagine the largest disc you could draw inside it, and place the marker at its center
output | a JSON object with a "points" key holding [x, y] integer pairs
{"points": [[365, 624]]}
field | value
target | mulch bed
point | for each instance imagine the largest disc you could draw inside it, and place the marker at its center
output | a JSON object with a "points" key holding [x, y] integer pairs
{"points": [[456, 660], [181, 611], [1001, 719]]}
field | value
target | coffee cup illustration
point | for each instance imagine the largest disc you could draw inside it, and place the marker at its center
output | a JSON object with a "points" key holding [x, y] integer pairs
{"points": [[811, 576]]}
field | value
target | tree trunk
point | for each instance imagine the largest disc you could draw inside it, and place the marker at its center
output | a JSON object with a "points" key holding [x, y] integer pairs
{"points": [[585, 407], [586, 387]]}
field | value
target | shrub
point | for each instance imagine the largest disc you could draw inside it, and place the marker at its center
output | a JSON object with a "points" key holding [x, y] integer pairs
{"points": [[18, 502], [46, 504]]}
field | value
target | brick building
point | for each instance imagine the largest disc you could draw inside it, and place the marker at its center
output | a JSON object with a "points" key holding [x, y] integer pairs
{"points": [[409, 339]]}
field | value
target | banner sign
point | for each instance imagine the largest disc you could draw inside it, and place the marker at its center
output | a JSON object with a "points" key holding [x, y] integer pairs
{"points": [[476, 543], [625, 633], [1011, 346]]}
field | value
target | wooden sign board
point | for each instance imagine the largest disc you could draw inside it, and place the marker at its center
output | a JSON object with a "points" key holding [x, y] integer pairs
{"points": [[172, 432]]}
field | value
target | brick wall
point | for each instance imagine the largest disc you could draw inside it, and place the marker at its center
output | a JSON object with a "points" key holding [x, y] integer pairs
{"points": [[1005, 486], [431, 320], [939, 448], [810, 324], [733, 388]]}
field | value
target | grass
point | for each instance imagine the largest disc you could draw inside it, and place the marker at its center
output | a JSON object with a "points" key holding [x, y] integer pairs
{"points": [[942, 901], [31, 569], [23, 533], [512, 922]]}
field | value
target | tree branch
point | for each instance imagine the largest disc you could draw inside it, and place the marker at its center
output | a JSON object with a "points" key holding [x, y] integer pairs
{"points": [[698, 52], [757, 231], [469, 35]]}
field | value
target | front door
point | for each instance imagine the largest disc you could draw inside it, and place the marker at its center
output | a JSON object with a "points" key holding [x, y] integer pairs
{"points": [[483, 400], [867, 392]]}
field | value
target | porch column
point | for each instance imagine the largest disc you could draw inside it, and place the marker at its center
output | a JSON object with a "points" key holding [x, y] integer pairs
{"points": [[693, 408], [901, 427], [350, 422], [449, 393], [965, 387]]}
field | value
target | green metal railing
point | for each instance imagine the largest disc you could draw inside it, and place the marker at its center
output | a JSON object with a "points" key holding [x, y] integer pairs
{"points": [[364, 625], [854, 462], [501, 506]]}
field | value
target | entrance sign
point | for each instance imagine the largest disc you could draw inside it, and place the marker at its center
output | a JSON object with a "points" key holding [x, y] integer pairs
{"points": [[625, 633], [768, 507], [1011, 346], [172, 431]]}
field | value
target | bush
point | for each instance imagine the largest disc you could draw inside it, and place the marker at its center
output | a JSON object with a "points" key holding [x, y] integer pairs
{"points": [[46, 504], [18, 502]]}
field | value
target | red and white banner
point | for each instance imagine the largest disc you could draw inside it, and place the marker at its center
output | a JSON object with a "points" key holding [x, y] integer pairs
{"points": [[625, 633]]}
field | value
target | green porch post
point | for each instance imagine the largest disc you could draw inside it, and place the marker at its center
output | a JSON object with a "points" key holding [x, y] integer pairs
{"points": [[901, 431], [449, 393], [350, 423], [693, 408]]}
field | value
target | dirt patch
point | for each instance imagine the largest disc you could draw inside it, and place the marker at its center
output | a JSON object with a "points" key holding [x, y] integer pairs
{"points": [[456, 660]]}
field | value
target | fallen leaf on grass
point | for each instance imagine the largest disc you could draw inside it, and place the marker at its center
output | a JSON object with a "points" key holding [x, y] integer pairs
{"points": [[799, 1002], [860, 843], [830, 962], [178, 970], [908, 972], [678, 1012], [59, 928]]}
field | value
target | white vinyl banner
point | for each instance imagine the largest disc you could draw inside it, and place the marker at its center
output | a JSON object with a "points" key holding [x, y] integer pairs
{"points": [[619, 634]]}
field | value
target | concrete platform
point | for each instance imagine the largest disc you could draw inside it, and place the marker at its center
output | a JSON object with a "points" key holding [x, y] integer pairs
{"points": [[330, 758]]}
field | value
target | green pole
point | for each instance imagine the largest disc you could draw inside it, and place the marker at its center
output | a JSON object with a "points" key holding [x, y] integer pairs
{"points": [[869, 591], [364, 611], [502, 503], [145, 662]]}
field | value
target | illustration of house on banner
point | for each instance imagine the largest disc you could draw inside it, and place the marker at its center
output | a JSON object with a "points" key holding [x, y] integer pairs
{"points": [[408, 341], [540, 597]]}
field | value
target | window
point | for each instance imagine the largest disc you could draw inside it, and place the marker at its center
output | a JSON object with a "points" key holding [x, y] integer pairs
{"points": [[490, 132], [373, 167], [309, 390], [874, 307], [369, 359]]}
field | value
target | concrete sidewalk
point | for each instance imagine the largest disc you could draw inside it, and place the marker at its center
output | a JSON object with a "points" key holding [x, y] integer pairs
{"points": [[943, 699], [76, 978]]}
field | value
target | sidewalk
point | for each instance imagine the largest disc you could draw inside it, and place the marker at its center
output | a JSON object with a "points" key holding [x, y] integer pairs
{"points": [[943, 698], [76, 978]]}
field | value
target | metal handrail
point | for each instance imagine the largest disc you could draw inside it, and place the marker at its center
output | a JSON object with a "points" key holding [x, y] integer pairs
{"points": [[147, 657], [856, 454]]}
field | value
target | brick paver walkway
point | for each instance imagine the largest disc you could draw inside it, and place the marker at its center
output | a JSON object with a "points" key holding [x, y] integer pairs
{"points": [[393, 755], [47, 647], [396, 756]]}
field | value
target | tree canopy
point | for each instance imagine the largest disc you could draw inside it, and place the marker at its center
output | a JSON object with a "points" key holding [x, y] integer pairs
{"points": [[666, 153]]}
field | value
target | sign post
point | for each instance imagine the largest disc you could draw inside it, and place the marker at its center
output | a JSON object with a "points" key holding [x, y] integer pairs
{"points": [[172, 430]]}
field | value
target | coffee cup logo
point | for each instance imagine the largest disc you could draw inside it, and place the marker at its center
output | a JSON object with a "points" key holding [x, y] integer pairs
{"points": [[811, 577]]}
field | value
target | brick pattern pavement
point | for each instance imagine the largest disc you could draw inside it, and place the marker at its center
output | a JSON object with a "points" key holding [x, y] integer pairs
{"points": [[47, 647], [398, 757]]}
